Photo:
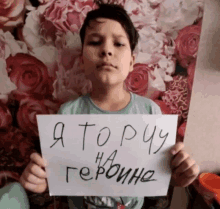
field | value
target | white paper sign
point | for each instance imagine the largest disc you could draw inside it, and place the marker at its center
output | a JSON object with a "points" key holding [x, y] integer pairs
{"points": [[107, 155]]}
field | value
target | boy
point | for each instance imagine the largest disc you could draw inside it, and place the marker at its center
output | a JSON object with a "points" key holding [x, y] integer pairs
{"points": [[108, 41]]}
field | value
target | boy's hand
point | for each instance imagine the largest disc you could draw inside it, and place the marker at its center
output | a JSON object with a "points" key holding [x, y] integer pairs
{"points": [[184, 168], [33, 177]]}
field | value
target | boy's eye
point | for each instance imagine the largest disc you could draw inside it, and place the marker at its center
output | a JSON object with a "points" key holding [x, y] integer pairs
{"points": [[94, 42], [119, 44], [99, 42]]}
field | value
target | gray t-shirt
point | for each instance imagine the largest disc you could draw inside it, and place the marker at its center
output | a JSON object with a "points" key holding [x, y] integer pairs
{"points": [[84, 105]]}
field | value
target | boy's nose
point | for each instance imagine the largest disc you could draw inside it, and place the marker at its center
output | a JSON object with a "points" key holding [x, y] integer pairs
{"points": [[106, 49], [104, 53]]}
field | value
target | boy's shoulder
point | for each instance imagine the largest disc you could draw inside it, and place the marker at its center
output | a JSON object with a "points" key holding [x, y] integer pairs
{"points": [[143, 99], [151, 106], [70, 107]]}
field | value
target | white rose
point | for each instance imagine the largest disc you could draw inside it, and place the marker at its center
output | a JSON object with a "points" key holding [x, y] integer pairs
{"points": [[69, 45], [49, 56], [161, 74], [72, 40], [60, 86], [166, 68], [31, 30], [141, 13], [150, 46], [177, 14], [158, 82], [12, 46], [155, 2], [6, 86]]}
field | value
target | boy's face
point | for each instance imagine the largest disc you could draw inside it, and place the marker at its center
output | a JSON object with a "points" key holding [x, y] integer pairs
{"points": [[107, 42]]}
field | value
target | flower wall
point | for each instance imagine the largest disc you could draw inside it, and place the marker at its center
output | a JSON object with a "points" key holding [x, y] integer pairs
{"points": [[40, 54]]}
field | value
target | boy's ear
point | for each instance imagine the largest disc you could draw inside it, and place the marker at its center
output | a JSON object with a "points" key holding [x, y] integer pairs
{"points": [[132, 63]]}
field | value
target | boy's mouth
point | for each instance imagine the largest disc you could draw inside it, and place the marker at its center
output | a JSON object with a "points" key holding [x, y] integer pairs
{"points": [[105, 64]]}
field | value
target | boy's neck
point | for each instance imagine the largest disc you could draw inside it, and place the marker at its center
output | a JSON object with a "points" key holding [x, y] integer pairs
{"points": [[111, 99]]}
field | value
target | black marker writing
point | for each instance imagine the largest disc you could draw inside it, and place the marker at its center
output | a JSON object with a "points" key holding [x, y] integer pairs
{"points": [[121, 175], [59, 134], [81, 173], [109, 133], [124, 133], [84, 135], [117, 166], [67, 172], [97, 158], [113, 170], [151, 138], [134, 176], [113, 155], [85, 174], [101, 170], [165, 136], [148, 178]]}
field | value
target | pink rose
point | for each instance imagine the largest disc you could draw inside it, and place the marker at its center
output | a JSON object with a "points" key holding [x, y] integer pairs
{"points": [[5, 116], [29, 108], [29, 75], [66, 15], [11, 13], [137, 80], [187, 44]]}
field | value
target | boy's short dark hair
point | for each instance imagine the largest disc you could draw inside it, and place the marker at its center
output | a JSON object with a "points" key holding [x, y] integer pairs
{"points": [[114, 12]]}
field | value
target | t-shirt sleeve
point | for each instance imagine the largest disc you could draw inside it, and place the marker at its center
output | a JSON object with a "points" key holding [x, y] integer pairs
{"points": [[155, 108], [65, 108]]}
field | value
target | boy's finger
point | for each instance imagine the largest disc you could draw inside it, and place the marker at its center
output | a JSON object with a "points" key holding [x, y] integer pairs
{"points": [[185, 165], [193, 171], [179, 158], [176, 148], [184, 182], [37, 171], [31, 178], [33, 187], [26, 184], [36, 158], [189, 176]]}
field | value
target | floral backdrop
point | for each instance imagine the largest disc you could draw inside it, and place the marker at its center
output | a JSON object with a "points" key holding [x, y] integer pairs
{"points": [[39, 67]]}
